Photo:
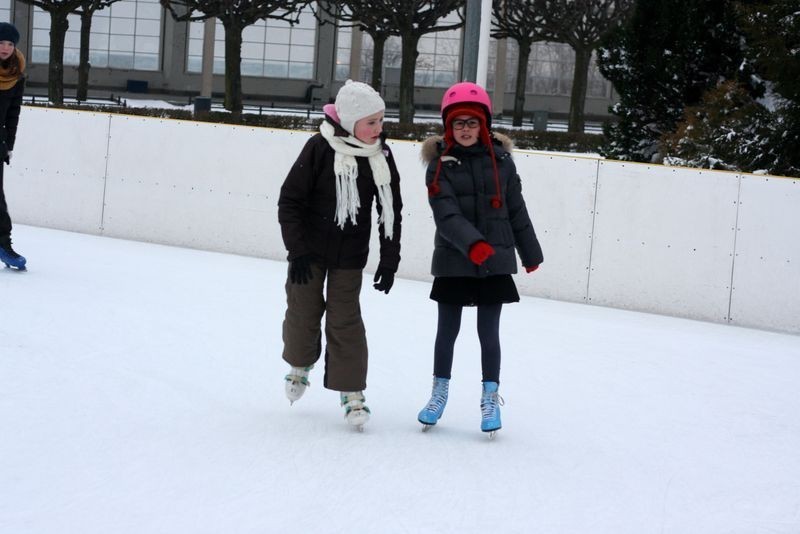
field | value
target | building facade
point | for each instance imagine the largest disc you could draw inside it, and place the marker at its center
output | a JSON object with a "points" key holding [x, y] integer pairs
{"points": [[136, 45]]}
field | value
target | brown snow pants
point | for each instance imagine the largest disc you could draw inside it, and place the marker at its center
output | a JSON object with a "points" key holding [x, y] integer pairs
{"points": [[345, 336]]}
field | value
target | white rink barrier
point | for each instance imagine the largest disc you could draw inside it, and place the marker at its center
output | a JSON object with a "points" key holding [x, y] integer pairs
{"points": [[701, 244]]}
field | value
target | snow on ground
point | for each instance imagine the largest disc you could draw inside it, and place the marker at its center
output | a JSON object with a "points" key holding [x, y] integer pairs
{"points": [[141, 391]]}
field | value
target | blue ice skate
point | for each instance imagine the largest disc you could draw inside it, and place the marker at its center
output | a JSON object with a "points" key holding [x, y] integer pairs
{"points": [[490, 409], [431, 413], [9, 256]]}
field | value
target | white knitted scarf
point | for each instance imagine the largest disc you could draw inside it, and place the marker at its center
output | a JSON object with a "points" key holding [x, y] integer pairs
{"points": [[345, 167]]}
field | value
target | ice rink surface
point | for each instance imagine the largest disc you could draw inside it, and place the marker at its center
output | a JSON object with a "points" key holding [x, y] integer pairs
{"points": [[141, 391]]}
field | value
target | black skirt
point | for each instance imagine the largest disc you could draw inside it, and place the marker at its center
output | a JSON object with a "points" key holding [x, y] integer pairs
{"points": [[467, 291]]}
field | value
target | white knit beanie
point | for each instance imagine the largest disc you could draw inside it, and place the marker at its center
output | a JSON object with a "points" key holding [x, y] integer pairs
{"points": [[354, 101]]}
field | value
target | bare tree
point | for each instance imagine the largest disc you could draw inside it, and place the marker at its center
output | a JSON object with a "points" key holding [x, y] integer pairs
{"points": [[361, 14], [413, 19], [525, 22], [235, 15], [582, 24], [58, 10], [408, 19], [86, 12]]}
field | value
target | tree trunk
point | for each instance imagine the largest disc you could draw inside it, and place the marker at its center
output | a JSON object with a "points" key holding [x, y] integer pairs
{"points": [[522, 77], [55, 80], [579, 84], [83, 66], [378, 40], [499, 93], [408, 67], [233, 66]]}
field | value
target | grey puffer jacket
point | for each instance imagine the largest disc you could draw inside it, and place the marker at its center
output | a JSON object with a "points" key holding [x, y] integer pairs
{"points": [[464, 215]]}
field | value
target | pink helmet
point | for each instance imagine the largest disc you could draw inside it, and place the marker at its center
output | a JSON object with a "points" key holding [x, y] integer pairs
{"points": [[467, 92]]}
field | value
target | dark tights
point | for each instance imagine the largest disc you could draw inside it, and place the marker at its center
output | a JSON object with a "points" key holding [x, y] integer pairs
{"points": [[488, 333], [5, 220]]}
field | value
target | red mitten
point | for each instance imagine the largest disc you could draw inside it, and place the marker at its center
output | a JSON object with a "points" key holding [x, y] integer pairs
{"points": [[531, 269], [480, 251]]}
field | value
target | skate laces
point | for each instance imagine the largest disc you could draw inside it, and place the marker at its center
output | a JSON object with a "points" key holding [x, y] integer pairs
{"points": [[299, 375], [353, 400], [439, 395], [489, 403]]}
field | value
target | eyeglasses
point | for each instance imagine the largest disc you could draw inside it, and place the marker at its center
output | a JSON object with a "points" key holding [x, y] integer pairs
{"points": [[460, 124]]}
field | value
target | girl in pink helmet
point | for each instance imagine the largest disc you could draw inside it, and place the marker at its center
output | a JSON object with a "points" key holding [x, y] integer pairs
{"points": [[481, 224]]}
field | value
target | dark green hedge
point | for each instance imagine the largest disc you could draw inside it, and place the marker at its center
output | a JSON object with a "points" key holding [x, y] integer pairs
{"points": [[525, 139], [555, 141]]}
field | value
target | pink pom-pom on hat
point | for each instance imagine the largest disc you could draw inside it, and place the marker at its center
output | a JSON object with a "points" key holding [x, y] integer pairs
{"points": [[330, 111]]}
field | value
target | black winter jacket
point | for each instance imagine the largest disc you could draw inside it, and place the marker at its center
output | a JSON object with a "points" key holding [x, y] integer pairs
{"points": [[464, 215], [307, 207], [10, 104]]}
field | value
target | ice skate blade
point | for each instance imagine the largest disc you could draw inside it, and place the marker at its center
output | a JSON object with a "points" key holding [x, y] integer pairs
{"points": [[358, 425], [492, 434], [294, 392], [357, 419], [426, 427]]}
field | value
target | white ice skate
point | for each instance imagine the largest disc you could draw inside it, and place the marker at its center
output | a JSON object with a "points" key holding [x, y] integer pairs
{"points": [[355, 411], [297, 382]]}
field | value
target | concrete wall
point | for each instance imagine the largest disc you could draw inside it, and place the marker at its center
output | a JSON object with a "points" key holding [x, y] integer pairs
{"points": [[693, 243]]}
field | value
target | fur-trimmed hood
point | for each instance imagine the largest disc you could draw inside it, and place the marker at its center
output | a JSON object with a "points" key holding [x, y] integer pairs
{"points": [[433, 146]]}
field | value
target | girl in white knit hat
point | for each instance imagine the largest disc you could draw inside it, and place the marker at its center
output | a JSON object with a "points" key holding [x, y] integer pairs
{"points": [[325, 213]]}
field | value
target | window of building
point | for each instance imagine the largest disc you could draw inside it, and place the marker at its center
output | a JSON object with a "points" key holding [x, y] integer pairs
{"points": [[270, 48], [550, 71], [550, 67], [344, 44], [344, 39], [438, 63], [5, 10], [125, 35]]}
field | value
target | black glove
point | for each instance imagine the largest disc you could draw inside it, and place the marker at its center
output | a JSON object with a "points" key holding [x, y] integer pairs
{"points": [[300, 270], [384, 280]]}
